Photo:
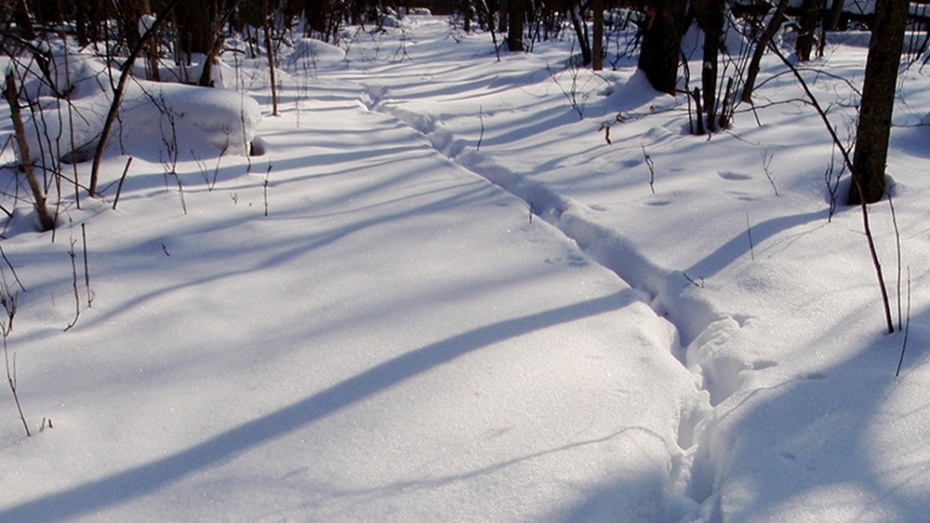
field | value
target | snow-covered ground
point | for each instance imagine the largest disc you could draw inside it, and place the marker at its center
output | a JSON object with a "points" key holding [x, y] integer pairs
{"points": [[442, 295]]}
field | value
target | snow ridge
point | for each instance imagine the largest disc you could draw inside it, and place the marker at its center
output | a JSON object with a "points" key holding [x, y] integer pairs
{"points": [[702, 454]]}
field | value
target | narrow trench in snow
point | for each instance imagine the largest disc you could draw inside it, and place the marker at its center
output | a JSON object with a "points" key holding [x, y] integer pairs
{"points": [[694, 471]]}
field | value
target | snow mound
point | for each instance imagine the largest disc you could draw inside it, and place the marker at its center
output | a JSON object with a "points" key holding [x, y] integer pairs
{"points": [[315, 54], [157, 121], [205, 120]]}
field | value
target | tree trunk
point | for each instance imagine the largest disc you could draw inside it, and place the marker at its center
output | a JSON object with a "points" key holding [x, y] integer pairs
{"points": [[661, 45], [317, 18], [125, 73], [516, 11], [502, 12], [810, 13], [358, 9], [218, 41], [23, 19], [11, 93], [711, 21], [877, 105], [836, 14], [195, 26], [269, 47], [597, 11], [752, 72], [581, 32], [151, 52], [467, 15]]}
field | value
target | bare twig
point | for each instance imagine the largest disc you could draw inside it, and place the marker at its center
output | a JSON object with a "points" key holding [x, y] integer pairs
{"points": [[68, 92], [11, 93], [572, 93], [481, 120], [271, 59], [606, 128], [696, 284], [833, 182], [118, 94], [766, 168], [12, 270], [8, 301], [897, 238], [90, 294], [652, 169], [74, 284], [907, 324], [119, 188], [852, 169], [265, 188], [181, 193]]}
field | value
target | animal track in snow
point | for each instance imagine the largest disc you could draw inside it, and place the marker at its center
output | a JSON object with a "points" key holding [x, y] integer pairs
{"points": [[695, 464]]}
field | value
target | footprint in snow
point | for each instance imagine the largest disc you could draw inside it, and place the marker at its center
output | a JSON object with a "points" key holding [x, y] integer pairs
{"points": [[734, 176]]}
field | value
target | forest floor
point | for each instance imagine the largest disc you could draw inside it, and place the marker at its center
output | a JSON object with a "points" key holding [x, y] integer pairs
{"points": [[462, 288]]}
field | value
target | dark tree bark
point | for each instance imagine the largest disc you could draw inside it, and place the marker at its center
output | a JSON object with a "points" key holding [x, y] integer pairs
{"points": [[467, 14], [832, 21], [503, 9], [90, 21], [810, 14], [11, 93], [150, 46], [195, 21], [711, 21], [661, 45], [125, 73], [325, 17], [81, 24], [597, 11], [269, 48], [581, 30], [218, 39], [23, 19], [877, 105], [357, 11], [516, 14], [316, 17], [752, 71], [48, 12]]}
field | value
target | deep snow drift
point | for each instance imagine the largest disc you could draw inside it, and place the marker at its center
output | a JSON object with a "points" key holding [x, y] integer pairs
{"points": [[442, 295]]}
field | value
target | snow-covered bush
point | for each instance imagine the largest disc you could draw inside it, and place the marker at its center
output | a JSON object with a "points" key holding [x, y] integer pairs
{"points": [[207, 121], [314, 53]]}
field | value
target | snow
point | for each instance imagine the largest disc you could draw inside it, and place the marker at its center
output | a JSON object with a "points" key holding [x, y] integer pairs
{"points": [[146, 22], [442, 295], [193, 121]]}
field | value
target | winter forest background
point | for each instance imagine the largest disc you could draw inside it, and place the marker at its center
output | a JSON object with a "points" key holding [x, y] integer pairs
{"points": [[465, 260]]}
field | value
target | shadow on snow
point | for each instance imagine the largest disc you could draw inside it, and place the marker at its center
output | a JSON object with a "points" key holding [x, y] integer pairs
{"points": [[139, 481]]}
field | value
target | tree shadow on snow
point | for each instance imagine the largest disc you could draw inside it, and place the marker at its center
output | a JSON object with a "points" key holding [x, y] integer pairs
{"points": [[839, 444], [740, 244], [142, 480], [844, 443]]}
